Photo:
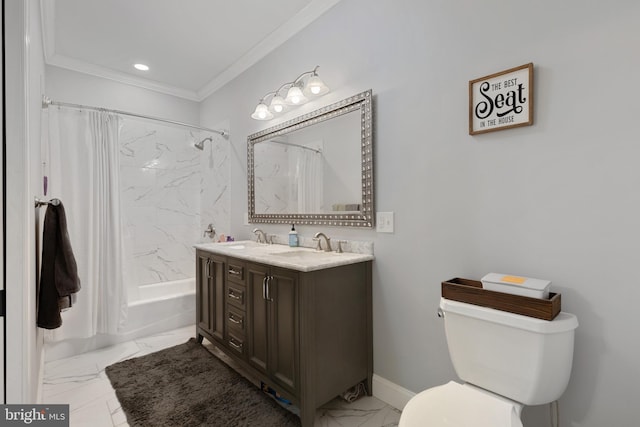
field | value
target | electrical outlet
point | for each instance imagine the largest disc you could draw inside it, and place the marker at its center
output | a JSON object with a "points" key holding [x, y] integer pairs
{"points": [[246, 218], [384, 222]]}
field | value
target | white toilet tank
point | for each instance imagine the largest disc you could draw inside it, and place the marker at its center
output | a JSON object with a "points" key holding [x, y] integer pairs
{"points": [[522, 358]]}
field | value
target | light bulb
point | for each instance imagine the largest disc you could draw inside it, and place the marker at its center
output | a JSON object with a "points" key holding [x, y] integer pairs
{"points": [[295, 96], [277, 104], [315, 86], [262, 112]]}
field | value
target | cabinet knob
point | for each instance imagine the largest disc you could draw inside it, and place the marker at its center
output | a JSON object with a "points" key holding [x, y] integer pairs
{"points": [[234, 344], [233, 295], [234, 320]]}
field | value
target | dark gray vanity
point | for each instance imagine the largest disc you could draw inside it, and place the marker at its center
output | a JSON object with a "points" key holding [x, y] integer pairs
{"points": [[295, 318]]}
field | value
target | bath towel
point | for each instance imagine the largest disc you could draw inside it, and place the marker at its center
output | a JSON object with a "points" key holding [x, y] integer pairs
{"points": [[59, 280]]}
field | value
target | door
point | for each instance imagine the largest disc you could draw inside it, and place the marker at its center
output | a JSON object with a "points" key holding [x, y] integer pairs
{"points": [[257, 317], [2, 230], [273, 323], [210, 295], [283, 332]]}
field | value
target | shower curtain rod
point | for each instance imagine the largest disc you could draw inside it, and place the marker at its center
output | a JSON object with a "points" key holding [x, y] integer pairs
{"points": [[275, 141], [47, 101]]}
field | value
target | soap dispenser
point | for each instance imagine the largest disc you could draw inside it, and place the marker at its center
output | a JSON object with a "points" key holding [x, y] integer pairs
{"points": [[293, 236]]}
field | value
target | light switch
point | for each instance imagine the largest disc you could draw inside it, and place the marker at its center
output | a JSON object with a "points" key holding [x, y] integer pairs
{"points": [[384, 222], [246, 218]]}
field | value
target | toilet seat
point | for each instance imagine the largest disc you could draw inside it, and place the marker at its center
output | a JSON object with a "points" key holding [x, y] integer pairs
{"points": [[460, 405]]}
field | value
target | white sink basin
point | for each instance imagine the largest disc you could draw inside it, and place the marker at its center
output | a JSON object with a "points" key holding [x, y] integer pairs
{"points": [[244, 244], [303, 254]]}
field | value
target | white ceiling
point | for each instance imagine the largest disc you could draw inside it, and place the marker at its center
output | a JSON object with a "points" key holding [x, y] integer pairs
{"points": [[192, 47]]}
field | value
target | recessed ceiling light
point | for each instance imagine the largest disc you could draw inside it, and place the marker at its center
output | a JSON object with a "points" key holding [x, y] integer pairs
{"points": [[141, 67]]}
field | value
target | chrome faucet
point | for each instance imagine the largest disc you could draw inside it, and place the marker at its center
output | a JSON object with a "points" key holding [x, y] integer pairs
{"points": [[262, 237], [327, 247], [211, 231]]}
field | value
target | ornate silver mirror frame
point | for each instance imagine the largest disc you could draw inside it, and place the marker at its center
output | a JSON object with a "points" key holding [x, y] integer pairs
{"points": [[362, 218]]}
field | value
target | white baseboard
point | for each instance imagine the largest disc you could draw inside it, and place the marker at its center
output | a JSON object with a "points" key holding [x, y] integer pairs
{"points": [[390, 393]]}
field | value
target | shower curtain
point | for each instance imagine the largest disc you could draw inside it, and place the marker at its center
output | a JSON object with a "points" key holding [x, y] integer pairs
{"points": [[82, 166], [307, 177]]}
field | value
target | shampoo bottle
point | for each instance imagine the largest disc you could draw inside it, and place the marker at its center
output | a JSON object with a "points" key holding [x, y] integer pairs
{"points": [[293, 236]]}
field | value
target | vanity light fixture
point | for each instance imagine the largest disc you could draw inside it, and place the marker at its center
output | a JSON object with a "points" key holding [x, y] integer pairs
{"points": [[277, 104], [262, 112], [295, 96], [306, 85], [315, 86]]}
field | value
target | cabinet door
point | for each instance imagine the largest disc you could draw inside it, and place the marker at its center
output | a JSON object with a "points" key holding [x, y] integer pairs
{"points": [[283, 327], [217, 279], [210, 294], [204, 297], [257, 317]]}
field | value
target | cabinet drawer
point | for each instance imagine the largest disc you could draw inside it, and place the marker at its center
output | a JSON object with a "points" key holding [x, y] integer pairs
{"points": [[236, 271], [235, 320], [235, 343], [235, 296]]}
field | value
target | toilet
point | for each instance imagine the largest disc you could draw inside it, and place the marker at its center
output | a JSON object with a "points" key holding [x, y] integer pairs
{"points": [[505, 360]]}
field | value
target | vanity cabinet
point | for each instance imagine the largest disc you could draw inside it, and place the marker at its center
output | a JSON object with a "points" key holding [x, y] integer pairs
{"points": [[307, 334]]}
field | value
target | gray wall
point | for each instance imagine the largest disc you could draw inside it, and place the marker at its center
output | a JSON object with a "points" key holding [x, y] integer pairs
{"points": [[557, 200]]}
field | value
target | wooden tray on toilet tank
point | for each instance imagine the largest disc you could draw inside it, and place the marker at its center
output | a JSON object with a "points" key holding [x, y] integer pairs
{"points": [[471, 292]]}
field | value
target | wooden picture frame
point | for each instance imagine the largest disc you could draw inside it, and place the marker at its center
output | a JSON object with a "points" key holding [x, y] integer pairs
{"points": [[503, 100]]}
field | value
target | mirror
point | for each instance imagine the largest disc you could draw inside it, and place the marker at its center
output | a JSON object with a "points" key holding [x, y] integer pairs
{"points": [[316, 169]]}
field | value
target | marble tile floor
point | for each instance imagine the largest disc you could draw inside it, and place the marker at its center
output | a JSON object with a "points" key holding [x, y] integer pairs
{"points": [[81, 382]]}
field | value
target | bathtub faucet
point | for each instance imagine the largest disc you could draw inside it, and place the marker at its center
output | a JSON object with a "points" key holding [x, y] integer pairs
{"points": [[211, 231]]}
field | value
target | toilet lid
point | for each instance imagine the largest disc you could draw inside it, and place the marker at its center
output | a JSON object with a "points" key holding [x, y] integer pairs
{"points": [[458, 405]]}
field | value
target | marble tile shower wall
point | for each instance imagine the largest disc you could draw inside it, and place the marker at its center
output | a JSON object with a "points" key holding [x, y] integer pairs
{"points": [[271, 178], [215, 191], [169, 189]]}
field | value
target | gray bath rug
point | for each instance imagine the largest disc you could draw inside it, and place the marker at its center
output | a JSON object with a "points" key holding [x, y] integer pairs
{"points": [[186, 385]]}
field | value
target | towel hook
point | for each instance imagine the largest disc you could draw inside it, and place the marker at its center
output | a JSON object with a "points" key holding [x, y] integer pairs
{"points": [[39, 203]]}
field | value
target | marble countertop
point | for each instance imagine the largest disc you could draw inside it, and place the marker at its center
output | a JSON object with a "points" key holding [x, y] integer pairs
{"points": [[298, 258]]}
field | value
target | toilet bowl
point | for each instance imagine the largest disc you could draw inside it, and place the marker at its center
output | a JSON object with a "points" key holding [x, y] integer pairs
{"points": [[460, 405], [505, 360]]}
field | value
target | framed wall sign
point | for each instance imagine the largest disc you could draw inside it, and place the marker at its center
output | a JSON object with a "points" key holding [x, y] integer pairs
{"points": [[502, 100]]}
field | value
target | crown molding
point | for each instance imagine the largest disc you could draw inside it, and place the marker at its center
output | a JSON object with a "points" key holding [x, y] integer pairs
{"points": [[299, 21], [73, 64], [306, 16], [47, 21]]}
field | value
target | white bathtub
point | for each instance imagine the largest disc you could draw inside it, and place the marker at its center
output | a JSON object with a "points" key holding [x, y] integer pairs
{"points": [[152, 309], [161, 307], [161, 291]]}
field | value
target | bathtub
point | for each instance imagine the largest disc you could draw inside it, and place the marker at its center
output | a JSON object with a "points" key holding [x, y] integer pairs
{"points": [[160, 307], [146, 294], [152, 309]]}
